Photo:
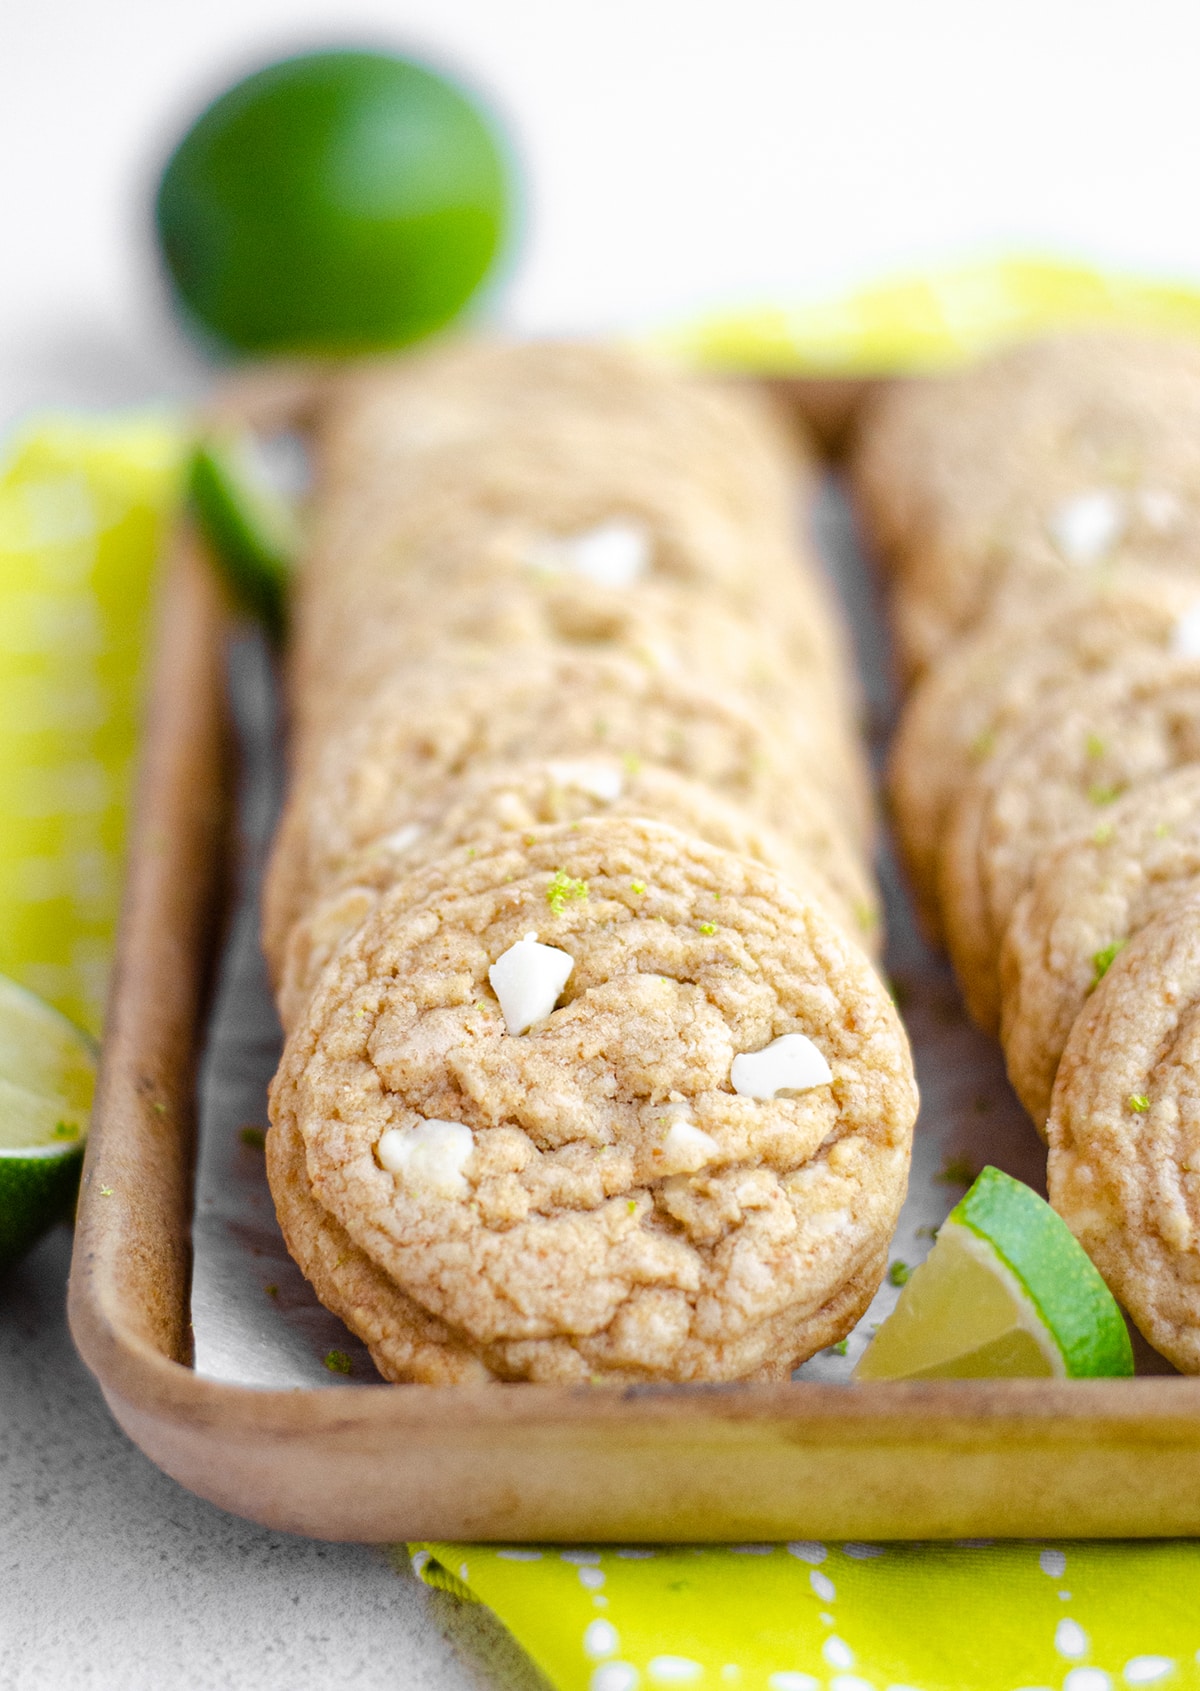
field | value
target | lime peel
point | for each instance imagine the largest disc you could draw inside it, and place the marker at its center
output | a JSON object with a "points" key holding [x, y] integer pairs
{"points": [[1006, 1292], [251, 531], [47, 1078]]}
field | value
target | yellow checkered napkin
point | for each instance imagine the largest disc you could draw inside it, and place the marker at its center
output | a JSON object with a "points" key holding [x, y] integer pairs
{"points": [[807, 1616], [933, 320], [83, 504]]}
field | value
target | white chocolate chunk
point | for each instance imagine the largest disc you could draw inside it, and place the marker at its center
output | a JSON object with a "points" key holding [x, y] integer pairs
{"points": [[527, 980], [1088, 525], [687, 1147], [402, 840], [613, 554], [432, 1154], [790, 1063], [601, 781], [1185, 637]]}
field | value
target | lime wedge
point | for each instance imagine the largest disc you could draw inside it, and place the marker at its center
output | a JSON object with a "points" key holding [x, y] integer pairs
{"points": [[251, 529], [47, 1078], [1006, 1292]]}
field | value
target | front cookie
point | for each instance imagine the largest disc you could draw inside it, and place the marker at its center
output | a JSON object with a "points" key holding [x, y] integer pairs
{"points": [[609, 1102]]}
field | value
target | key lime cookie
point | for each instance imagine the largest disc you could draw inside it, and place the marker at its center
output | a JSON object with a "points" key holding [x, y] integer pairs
{"points": [[1092, 742], [572, 402], [405, 1341], [442, 719], [1124, 1131], [1053, 461], [996, 679], [1089, 899], [513, 591], [610, 1103], [422, 568], [513, 799]]}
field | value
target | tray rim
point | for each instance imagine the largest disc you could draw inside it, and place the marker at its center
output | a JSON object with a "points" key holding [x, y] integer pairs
{"points": [[130, 1271]]}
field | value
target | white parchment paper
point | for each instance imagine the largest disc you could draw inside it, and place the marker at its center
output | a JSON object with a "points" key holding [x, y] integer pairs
{"points": [[255, 1320]]}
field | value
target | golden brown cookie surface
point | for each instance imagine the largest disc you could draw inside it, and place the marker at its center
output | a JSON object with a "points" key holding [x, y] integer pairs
{"points": [[512, 799], [998, 677], [441, 720], [1095, 740], [1124, 1131], [1052, 461], [1089, 899], [601, 1189]]}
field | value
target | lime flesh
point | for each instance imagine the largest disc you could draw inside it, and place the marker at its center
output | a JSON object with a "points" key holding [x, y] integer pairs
{"points": [[1007, 1292], [334, 202], [251, 531], [47, 1079]]}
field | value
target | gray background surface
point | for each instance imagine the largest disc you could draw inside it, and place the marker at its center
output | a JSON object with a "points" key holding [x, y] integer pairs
{"points": [[680, 154], [114, 1578]]}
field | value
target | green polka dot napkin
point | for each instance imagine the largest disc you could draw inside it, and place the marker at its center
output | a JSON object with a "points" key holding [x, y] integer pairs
{"points": [[804, 1616]]}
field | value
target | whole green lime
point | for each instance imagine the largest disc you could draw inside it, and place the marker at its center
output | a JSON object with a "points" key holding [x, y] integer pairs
{"points": [[334, 202]]}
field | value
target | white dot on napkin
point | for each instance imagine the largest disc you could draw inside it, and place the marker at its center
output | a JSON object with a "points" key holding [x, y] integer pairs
{"points": [[432, 1154], [527, 980], [790, 1063]]}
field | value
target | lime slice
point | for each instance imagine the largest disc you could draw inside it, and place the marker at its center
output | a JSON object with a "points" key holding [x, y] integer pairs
{"points": [[251, 530], [1007, 1291], [47, 1078]]}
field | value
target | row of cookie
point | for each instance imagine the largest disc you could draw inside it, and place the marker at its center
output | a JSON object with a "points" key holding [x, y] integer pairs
{"points": [[583, 1076], [557, 552], [1045, 777]]}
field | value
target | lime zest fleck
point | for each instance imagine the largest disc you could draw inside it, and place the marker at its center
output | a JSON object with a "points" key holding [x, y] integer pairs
{"points": [[1139, 1103], [1103, 834], [159, 1108], [253, 1136], [638, 887], [1162, 829], [707, 928], [1102, 961], [1094, 746], [337, 1362], [983, 745], [631, 1205], [898, 1273], [107, 1191], [632, 763], [840, 1349], [563, 889], [1103, 793]]}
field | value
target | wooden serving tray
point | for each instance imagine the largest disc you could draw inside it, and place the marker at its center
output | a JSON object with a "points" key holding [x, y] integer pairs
{"points": [[379, 1462]]}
